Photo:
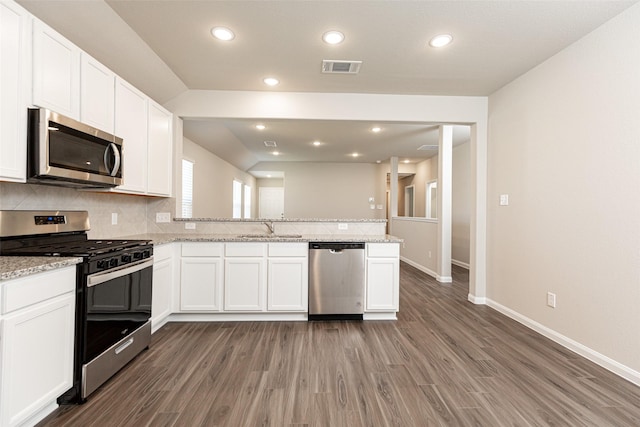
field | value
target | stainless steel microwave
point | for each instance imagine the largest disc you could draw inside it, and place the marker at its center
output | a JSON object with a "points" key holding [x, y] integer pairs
{"points": [[63, 151]]}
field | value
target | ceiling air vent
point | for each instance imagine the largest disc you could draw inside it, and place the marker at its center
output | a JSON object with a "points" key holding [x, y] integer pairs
{"points": [[269, 143], [428, 147], [341, 67]]}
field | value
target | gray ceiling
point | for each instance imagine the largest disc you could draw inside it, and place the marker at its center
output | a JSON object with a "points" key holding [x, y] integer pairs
{"points": [[165, 47]]}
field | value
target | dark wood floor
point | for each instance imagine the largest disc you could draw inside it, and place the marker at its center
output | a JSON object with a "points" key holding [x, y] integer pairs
{"points": [[444, 362]]}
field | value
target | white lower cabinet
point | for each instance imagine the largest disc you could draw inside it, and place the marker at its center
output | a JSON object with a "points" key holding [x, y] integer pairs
{"points": [[201, 277], [244, 284], [288, 283], [383, 277], [37, 344], [162, 285]]}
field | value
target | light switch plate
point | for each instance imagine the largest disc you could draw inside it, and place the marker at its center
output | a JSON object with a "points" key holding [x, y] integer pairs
{"points": [[343, 226], [189, 225], [114, 218]]}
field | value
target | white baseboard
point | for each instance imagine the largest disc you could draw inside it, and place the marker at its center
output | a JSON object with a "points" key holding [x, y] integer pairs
{"points": [[441, 279], [380, 316], [460, 263], [444, 279], [617, 368], [40, 415], [476, 300], [237, 317], [419, 267]]}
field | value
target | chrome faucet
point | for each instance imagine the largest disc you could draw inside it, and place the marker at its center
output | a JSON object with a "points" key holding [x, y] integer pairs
{"points": [[270, 226]]}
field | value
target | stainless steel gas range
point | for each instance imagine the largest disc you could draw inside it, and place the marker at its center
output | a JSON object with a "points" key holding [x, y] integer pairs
{"points": [[113, 290]]}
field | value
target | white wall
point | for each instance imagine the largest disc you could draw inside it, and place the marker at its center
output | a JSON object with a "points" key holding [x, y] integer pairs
{"points": [[213, 183], [330, 190], [420, 247], [564, 143], [461, 204]]}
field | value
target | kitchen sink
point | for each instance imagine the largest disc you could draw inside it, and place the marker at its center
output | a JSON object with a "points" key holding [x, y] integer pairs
{"points": [[270, 236]]}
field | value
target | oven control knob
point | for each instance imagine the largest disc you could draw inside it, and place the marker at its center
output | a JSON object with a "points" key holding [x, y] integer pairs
{"points": [[147, 253], [113, 262], [126, 258], [137, 255], [103, 264]]}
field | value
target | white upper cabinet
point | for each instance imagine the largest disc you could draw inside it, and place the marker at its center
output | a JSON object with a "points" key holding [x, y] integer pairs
{"points": [[131, 126], [160, 151], [56, 71], [15, 41], [97, 94]]}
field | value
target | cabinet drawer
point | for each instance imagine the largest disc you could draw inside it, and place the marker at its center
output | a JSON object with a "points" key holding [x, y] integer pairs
{"points": [[202, 249], [383, 249], [245, 249], [30, 290], [162, 252], [289, 249]]}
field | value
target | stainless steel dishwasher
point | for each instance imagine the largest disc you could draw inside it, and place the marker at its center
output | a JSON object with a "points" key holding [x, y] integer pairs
{"points": [[336, 281]]}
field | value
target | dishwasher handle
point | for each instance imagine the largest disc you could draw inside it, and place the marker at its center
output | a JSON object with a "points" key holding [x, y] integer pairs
{"points": [[336, 251], [336, 246]]}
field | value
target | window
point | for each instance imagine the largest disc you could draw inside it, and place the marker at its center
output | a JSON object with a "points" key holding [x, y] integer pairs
{"points": [[247, 201], [237, 199], [187, 188], [432, 199]]}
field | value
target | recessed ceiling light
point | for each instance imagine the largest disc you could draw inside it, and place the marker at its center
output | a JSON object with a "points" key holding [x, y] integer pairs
{"points": [[406, 161], [333, 37], [261, 127], [355, 155], [222, 33], [276, 153], [376, 129], [440, 40], [271, 81], [268, 175], [317, 143], [378, 161]]}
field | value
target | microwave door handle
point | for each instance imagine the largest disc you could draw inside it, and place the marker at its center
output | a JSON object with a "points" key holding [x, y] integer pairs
{"points": [[116, 155]]}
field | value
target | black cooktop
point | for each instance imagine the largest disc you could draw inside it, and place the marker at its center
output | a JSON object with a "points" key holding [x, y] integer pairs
{"points": [[77, 248]]}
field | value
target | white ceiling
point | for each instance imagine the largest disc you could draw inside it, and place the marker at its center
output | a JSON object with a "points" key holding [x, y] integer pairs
{"points": [[164, 47]]}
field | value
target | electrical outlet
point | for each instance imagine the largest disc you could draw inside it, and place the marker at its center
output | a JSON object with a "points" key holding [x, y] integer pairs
{"points": [[189, 225], [163, 217], [551, 300], [343, 226], [114, 218], [504, 200]]}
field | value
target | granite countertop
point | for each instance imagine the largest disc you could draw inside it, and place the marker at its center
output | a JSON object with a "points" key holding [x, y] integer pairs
{"points": [[13, 267], [348, 220], [161, 238]]}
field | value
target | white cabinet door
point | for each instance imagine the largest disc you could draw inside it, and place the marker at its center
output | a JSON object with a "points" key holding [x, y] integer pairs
{"points": [[131, 125], [14, 86], [200, 284], [383, 284], [161, 294], [160, 151], [288, 284], [56, 71], [244, 285], [37, 357], [97, 94]]}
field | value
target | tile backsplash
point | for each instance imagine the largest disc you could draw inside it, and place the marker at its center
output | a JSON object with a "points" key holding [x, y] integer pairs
{"points": [[131, 210], [137, 214]]}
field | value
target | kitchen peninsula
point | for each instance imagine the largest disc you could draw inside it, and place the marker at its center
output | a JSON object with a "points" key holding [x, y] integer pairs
{"points": [[218, 269]]}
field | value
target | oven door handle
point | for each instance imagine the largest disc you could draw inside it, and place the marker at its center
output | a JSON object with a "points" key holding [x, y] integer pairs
{"points": [[96, 279]]}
